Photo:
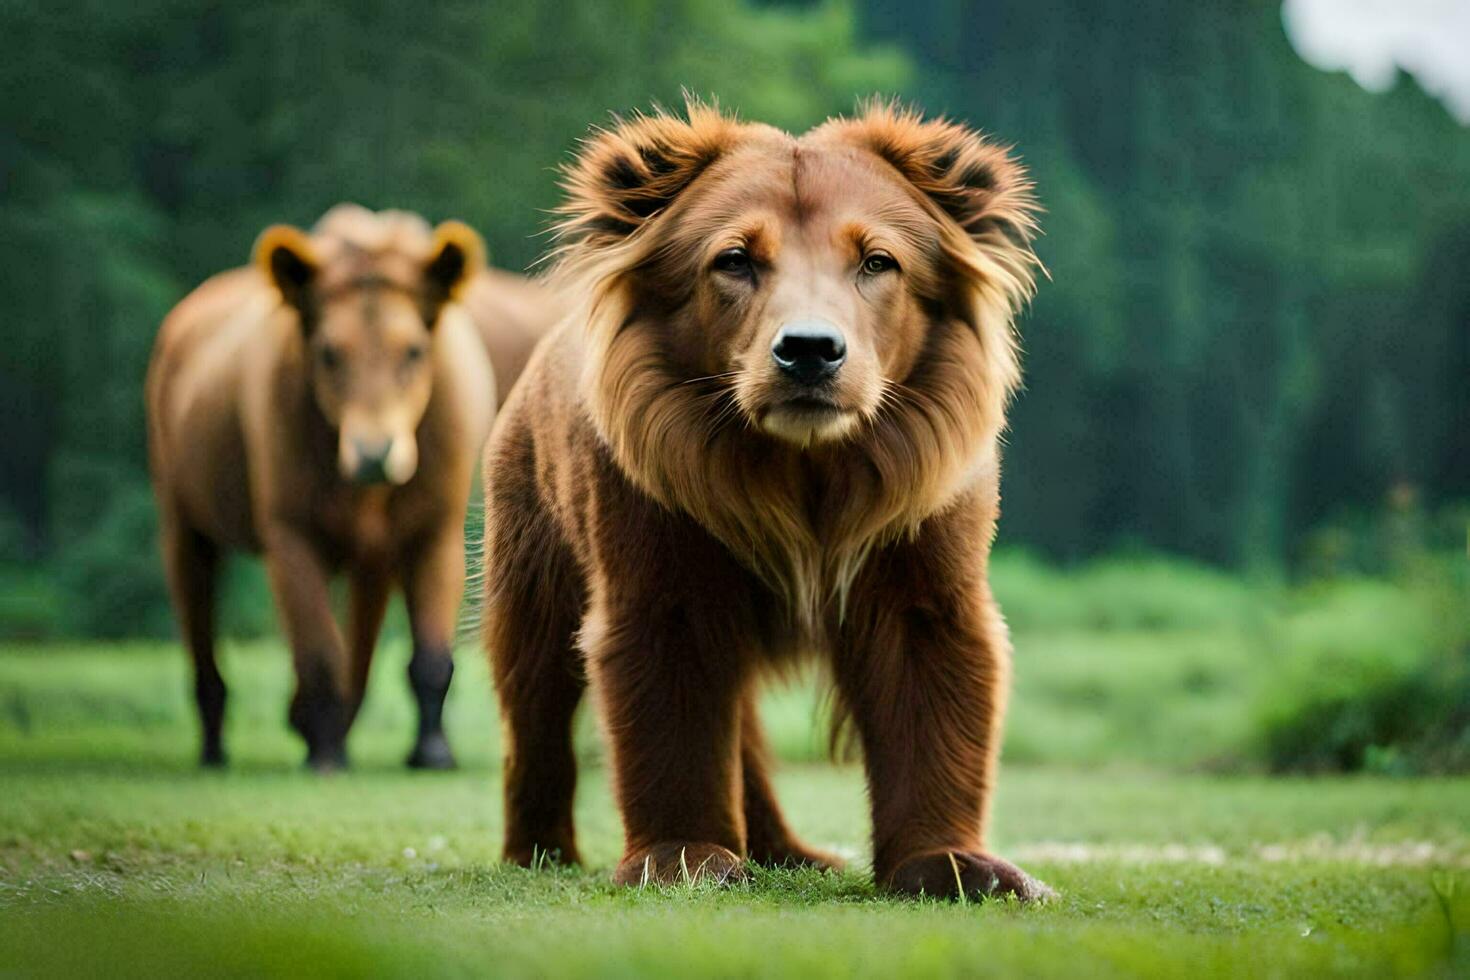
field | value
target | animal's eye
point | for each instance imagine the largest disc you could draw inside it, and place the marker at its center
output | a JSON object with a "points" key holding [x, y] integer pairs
{"points": [[329, 356], [734, 262], [877, 263], [413, 354]]}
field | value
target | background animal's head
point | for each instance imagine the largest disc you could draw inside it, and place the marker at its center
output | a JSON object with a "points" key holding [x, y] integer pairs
{"points": [[813, 279], [369, 290]]}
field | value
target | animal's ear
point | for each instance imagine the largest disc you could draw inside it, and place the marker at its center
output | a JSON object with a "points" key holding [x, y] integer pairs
{"points": [[625, 175], [288, 260], [456, 257], [973, 180]]}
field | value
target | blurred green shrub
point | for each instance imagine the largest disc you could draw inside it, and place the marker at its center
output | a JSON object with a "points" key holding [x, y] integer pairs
{"points": [[109, 573], [29, 602], [1364, 666], [1373, 676], [1388, 720], [1140, 592]]}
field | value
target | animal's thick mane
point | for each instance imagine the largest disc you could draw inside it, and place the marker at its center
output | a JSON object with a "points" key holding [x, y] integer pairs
{"points": [[802, 520]]}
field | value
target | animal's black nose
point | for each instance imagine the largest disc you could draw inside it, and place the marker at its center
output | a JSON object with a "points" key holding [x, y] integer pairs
{"points": [[372, 460], [809, 350]]}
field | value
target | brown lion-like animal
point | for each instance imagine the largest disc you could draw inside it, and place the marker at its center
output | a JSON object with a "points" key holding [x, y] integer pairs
{"points": [[326, 407], [770, 429]]}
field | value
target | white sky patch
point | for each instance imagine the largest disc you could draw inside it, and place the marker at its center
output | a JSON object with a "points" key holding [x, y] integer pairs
{"points": [[1372, 39]]}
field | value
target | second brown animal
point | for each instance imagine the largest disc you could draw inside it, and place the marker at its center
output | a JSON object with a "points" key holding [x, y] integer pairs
{"points": [[325, 407]]}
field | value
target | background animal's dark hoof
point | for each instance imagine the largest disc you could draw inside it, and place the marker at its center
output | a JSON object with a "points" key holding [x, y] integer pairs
{"points": [[213, 758], [946, 873], [327, 761], [432, 752]]}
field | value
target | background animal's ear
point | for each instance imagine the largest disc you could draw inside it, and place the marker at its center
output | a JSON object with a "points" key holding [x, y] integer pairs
{"points": [[286, 257], [625, 175], [974, 181], [456, 257]]}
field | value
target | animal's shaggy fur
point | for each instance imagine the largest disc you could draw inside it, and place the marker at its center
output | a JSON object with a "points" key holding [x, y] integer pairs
{"points": [[668, 514]]}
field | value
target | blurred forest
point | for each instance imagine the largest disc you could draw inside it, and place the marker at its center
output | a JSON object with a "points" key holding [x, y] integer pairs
{"points": [[1255, 342]]}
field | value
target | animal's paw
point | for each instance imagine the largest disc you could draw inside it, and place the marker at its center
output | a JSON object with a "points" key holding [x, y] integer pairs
{"points": [[431, 752], [676, 862], [948, 874]]}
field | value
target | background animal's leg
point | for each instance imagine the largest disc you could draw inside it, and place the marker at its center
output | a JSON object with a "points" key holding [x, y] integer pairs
{"points": [[768, 840], [532, 605], [433, 585], [319, 707], [370, 588], [192, 564], [669, 689]]}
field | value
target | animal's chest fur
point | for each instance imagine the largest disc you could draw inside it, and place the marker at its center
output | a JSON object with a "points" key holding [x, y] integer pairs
{"points": [[807, 540], [360, 524]]}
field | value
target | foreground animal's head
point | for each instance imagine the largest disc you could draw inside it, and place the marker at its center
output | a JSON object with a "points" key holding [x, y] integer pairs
{"points": [[814, 282], [369, 290]]}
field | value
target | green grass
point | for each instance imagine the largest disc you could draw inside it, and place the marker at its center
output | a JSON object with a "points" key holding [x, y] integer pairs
{"points": [[118, 857]]}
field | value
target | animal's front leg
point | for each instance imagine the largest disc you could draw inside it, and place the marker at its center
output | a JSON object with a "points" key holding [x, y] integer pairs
{"points": [[319, 709], [369, 588], [924, 674], [669, 688], [433, 585]]}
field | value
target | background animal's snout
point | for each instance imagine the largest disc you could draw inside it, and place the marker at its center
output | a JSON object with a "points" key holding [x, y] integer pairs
{"points": [[376, 450], [809, 351], [372, 460], [368, 462]]}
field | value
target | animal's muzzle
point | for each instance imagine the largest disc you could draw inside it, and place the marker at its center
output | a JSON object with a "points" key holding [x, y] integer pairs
{"points": [[809, 351], [372, 460]]}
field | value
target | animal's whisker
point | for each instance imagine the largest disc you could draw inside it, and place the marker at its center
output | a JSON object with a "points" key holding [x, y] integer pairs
{"points": [[708, 377], [728, 409]]}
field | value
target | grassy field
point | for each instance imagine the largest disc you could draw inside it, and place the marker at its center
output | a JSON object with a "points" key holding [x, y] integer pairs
{"points": [[118, 857]]}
